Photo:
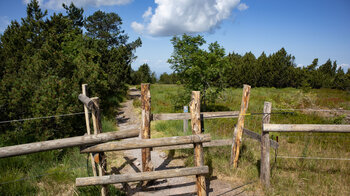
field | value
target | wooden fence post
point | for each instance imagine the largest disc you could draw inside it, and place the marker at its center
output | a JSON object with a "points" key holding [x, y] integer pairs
{"points": [[87, 121], [237, 136], [99, 157], [185, 126], [198, 147], [146, 126], [265, 148]]}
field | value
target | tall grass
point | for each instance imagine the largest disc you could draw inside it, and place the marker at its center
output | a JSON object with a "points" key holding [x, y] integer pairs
{"points": [[289, 176], [52, 172]]}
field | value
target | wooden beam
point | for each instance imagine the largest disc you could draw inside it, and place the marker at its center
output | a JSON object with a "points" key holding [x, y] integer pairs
{"points": [[222, 142], [265, 148], [185, 116], [23, 149], [212, 143], [316, 128], [143, 176], [87, 124], [240, 125], [148, 143], [86, 101], [146, 126], [195, 106]]}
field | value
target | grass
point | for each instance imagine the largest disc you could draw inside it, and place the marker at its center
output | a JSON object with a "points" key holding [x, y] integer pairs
{"points": [[46, 173], [52, 172], [289, 176]]}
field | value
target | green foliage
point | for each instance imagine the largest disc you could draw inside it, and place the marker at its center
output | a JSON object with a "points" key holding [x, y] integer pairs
{"points": [[279, 70], [198, 69], [44, 61], [143, 75], [165, 78]]}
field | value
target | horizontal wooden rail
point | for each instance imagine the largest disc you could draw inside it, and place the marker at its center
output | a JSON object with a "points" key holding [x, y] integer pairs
{"points": [[66, 142], [184, 116], [213, 143], [222, 142], [144, 176], [306, 128], [147, 143]]}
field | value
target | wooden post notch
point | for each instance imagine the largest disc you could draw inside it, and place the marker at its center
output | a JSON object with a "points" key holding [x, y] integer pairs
{"points": [[237, 136], [146, 126], [198, 147], [265, 148]]}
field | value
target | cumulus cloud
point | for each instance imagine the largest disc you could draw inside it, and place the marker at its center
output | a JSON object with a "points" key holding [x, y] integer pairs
{"points": [[147, 13], [138, 27], [242, 7], [57, 4], [188, 16]]}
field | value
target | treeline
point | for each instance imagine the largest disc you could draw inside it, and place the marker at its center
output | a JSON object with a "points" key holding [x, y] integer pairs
{"points": [[279, 70], [200, 69], [45, 59]]}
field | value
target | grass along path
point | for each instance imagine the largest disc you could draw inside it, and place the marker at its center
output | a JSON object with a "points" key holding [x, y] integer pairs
{"points": [[289, 176]]}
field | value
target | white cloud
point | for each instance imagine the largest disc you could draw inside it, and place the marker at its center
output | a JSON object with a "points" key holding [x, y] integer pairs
{"points": [[138, 27], [188, 16], [147, 13], [4, 22], [242, 7], [345, 67], [57, 4]]}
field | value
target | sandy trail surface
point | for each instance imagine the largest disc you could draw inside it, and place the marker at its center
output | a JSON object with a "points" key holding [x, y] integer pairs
{"points": [[130, 162]]}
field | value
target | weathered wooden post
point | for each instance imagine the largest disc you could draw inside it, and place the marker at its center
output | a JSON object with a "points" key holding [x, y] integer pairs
{"points": [[99, 157], [87, 121], [146, 126], [265, 148], [237, 136], [185, 120], [198, 147]]}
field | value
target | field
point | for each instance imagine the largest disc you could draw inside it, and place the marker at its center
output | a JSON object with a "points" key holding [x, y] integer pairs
{"points": [[289, 176]]}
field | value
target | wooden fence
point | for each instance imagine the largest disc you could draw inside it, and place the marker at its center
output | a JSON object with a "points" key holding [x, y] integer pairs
{"points": [[97, 143], [301, 128]]}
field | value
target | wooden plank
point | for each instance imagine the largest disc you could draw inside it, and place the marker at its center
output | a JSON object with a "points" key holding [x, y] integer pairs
{"points": [[212, 143], [257, 137], [265, 148], [316, 128], [146, 126], [240, 125], [23, 149], [86, 101], [147, 143], [87, 123], [195, 106], [100, 158], [143, 176], [184, 116], [222, 142]]}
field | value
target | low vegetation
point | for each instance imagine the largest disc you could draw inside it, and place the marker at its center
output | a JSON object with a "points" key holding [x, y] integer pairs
{"points": [[289, 176]]}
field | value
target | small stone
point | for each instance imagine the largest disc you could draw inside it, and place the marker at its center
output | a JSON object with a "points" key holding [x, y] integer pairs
{"points": [[137, 163]]}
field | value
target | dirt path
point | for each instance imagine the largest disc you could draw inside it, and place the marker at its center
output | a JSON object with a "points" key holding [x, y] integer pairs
{"points": [[130, 162]]}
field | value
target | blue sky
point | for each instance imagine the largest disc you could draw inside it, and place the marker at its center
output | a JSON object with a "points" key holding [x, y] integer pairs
{"points": [[306, 29]]}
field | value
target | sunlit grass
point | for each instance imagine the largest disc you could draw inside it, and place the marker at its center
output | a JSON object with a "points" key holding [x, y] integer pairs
{"points": [[289, 176]]}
